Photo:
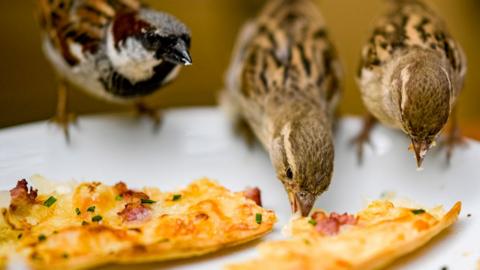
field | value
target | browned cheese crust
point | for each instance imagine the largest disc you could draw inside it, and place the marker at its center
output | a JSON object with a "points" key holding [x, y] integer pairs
{"points": [[383, 232], [96, 224]]}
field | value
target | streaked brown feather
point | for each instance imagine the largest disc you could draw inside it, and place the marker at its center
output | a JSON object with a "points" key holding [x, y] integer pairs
{"points": [[79, 21], [290, 54], [408, 24]]}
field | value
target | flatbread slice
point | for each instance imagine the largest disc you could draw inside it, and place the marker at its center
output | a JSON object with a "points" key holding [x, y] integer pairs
{"points": [[370, 240], [80, 226]]}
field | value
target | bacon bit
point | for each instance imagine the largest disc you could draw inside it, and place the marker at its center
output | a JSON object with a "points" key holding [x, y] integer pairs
{"points": [[135, 212], [21, 195], [330, 225], [253, 194], [344, 219], [120, 187], [128, 194], [201, 216], [319, 216]]}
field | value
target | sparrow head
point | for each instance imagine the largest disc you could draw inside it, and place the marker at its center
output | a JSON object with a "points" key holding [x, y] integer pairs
{"points": [[424, 93], [302, 154], [149, 35], [167, 36]]}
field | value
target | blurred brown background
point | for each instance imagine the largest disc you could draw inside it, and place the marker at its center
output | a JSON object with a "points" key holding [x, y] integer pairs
{"points": [[27, 83]]}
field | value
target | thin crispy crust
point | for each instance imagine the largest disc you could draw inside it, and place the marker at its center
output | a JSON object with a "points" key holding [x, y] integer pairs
{"points": [[200, 219], [383, 233]]}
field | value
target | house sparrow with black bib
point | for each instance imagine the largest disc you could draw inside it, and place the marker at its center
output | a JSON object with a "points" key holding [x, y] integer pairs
{"points": [[118, 50], [284, 82], [411, 74]]}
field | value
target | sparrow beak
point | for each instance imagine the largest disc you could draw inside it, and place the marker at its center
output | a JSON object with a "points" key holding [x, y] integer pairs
{"points": [[179, 54], [420, 148], [302, 204]]}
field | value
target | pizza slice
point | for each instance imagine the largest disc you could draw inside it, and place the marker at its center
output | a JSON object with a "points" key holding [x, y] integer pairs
{"points": [[80, 226], [369, 240]]}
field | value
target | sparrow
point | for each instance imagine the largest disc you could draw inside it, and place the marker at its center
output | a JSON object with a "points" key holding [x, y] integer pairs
{"points": [[410, 76], [120, 51], [284, 82]]}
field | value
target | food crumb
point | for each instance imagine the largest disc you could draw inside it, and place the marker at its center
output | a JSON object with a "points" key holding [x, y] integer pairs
{"points": [[469, 215], [444, 268]]}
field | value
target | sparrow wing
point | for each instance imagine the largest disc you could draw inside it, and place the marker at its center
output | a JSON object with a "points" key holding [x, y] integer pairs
{"points": [[80, 22], [410, 23], [285, 52]]}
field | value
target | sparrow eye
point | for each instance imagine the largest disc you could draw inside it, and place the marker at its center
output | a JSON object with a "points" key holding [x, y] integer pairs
{"points": [[289, 173]]}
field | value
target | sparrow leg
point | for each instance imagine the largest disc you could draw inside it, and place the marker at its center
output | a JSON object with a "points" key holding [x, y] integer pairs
{"points": [[62, 117], [143, 109], [245, 131], [364, 136], [454, 137]]}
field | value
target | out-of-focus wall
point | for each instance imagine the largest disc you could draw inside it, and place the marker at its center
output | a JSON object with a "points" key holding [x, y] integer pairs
{"points": [[27, 83]]}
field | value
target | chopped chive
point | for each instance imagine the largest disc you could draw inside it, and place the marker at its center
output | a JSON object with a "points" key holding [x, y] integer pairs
{"points": [[176, 197], [84, 223], [119, 198], [65, 255], [20, 236], [42, 237], [258, 218], [50, 201], [148, 201], [91, 209], [418, 211], [77, 210], [313, 222], [97, 218]]}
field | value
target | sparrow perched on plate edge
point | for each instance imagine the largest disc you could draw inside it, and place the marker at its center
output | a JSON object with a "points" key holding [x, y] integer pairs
{"points": [[118, 50], [284, 82], [411, 74]]}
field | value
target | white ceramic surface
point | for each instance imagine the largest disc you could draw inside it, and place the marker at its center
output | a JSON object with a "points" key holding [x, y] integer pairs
{"points": [[193, 143]]}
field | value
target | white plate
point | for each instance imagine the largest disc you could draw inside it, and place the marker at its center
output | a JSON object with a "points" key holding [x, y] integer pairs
{"points": [[194, 143]]}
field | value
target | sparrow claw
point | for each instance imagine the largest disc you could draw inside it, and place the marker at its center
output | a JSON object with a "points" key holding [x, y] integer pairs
{"points": [[64, 122], [63, 119], [245, 132], [363, 137], [453, 140], [152, 113]]}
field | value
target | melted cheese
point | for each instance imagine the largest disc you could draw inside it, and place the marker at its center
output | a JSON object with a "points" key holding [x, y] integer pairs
{"points": [[206, 218], [384, 232]]}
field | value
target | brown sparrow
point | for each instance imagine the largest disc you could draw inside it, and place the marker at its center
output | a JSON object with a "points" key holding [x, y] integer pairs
{"points": [[117, 50], [411, 74], [284, 82]]}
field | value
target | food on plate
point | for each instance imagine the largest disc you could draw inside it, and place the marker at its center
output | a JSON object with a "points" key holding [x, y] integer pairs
{"points": [[372, 239], [78, 226]]}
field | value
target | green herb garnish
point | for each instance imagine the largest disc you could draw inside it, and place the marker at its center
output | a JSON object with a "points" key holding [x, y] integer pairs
{"points": [[176, 197], [258, 218], [91, 209], [42, 237], [418, 211], [313, 222], [97, 218], [65, 255], [84, 223], [119, 198], [77, 210], [20, 236], [50, 201], [148, 201]]}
